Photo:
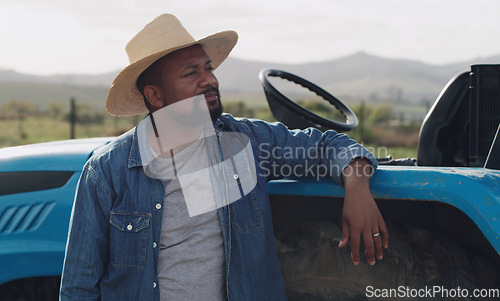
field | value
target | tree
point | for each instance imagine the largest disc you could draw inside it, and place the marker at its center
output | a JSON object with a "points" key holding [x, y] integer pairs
{"points": [[86, 114], [19, 110], [55, 109], [380, 114], [239, 109]]}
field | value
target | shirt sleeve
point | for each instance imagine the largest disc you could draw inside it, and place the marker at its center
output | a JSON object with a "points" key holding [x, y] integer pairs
{"points": [[305, 153], [87, 246]]}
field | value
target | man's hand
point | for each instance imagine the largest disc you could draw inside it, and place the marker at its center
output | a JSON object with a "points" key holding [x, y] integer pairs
{"points": [[360, 216]]}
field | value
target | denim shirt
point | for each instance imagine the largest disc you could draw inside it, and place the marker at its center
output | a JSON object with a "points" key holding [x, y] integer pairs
{"points": [[113, 243]]}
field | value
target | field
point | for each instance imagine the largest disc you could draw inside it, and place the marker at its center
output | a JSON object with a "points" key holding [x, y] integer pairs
{"points": [[35, 129], [381, 137]]}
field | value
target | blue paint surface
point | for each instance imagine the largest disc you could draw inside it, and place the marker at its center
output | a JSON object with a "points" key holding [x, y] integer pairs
{"points": [[34, 225], [474, 191]]}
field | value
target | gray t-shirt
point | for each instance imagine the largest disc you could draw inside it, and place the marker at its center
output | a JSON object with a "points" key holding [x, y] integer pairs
{"points": [[191, 263]]}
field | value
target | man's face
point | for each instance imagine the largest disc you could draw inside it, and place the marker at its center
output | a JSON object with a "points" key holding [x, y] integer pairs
{"points": [[187, 73]]}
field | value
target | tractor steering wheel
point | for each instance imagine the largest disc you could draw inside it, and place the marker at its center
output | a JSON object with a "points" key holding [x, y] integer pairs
{"points": [[295, 116]]}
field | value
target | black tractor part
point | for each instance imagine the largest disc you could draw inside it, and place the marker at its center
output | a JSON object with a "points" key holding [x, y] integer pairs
{"points": [[460, 127], [295, 116]]}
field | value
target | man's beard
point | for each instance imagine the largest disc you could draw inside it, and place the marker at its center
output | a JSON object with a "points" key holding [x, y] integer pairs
{"points": [[216, 111], [200, 107]]}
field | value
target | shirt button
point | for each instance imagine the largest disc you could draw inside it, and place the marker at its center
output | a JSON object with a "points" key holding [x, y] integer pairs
{"points": [[129, 227], [154, 244], [154, 284], [235, 176], [158, 206]]}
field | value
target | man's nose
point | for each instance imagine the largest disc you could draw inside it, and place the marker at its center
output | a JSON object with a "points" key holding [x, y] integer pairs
{"points": [[207, 79]]}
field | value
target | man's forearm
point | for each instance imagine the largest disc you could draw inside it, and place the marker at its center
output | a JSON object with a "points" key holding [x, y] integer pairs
{"points": [[361, 219], [357, 175]]}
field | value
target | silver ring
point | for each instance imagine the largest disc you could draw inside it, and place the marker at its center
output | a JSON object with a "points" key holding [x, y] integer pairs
{"points": [[376, 234]]}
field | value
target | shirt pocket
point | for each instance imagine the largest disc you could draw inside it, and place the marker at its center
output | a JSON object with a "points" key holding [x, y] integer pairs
{"points": [[246, 215], [128, 238]]}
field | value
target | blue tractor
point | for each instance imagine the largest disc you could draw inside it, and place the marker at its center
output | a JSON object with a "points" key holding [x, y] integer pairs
{"points": [[442, 209]]}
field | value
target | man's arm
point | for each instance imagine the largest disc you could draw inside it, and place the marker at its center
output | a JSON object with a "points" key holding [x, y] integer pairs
{"points": [[361, 217], [342, 158], [87, 247]]}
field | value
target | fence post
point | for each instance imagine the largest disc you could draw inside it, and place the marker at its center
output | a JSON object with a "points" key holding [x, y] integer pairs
{"points": [[72, 118]]}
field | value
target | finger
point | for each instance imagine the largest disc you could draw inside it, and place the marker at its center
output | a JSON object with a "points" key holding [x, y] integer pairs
{"points": [[355, 241], [384, 233], [345, 235], [379, 251], [369, 248]]}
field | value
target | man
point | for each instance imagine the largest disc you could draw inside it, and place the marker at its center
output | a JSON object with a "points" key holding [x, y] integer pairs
{"points": [[188, 217]]}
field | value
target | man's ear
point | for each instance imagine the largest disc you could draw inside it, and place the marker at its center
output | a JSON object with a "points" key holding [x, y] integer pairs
{"points": [[153, 96]]}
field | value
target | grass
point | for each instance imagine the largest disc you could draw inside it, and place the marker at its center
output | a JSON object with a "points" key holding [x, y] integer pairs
{"points": [[44, 129], [397, 152]]}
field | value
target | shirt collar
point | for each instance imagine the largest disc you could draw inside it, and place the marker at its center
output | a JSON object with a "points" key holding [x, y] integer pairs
{"points": [[218, 124], [134, 158]]}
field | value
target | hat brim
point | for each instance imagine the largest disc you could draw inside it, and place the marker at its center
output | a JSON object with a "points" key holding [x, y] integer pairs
{"points": [[124, 99]]}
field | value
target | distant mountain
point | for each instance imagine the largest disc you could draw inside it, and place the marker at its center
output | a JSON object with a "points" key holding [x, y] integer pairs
{"points": [[358, 77], [353, 78], [105, 79]]}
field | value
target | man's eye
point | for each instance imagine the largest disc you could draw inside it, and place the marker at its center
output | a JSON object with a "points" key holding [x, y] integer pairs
{"points": [[210, 68], [189, 74]]}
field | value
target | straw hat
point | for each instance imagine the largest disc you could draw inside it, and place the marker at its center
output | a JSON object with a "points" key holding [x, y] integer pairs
{"points": [[162, 36]]}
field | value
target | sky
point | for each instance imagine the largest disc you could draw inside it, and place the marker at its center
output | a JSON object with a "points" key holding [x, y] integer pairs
{"points": [[89, 36]]}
